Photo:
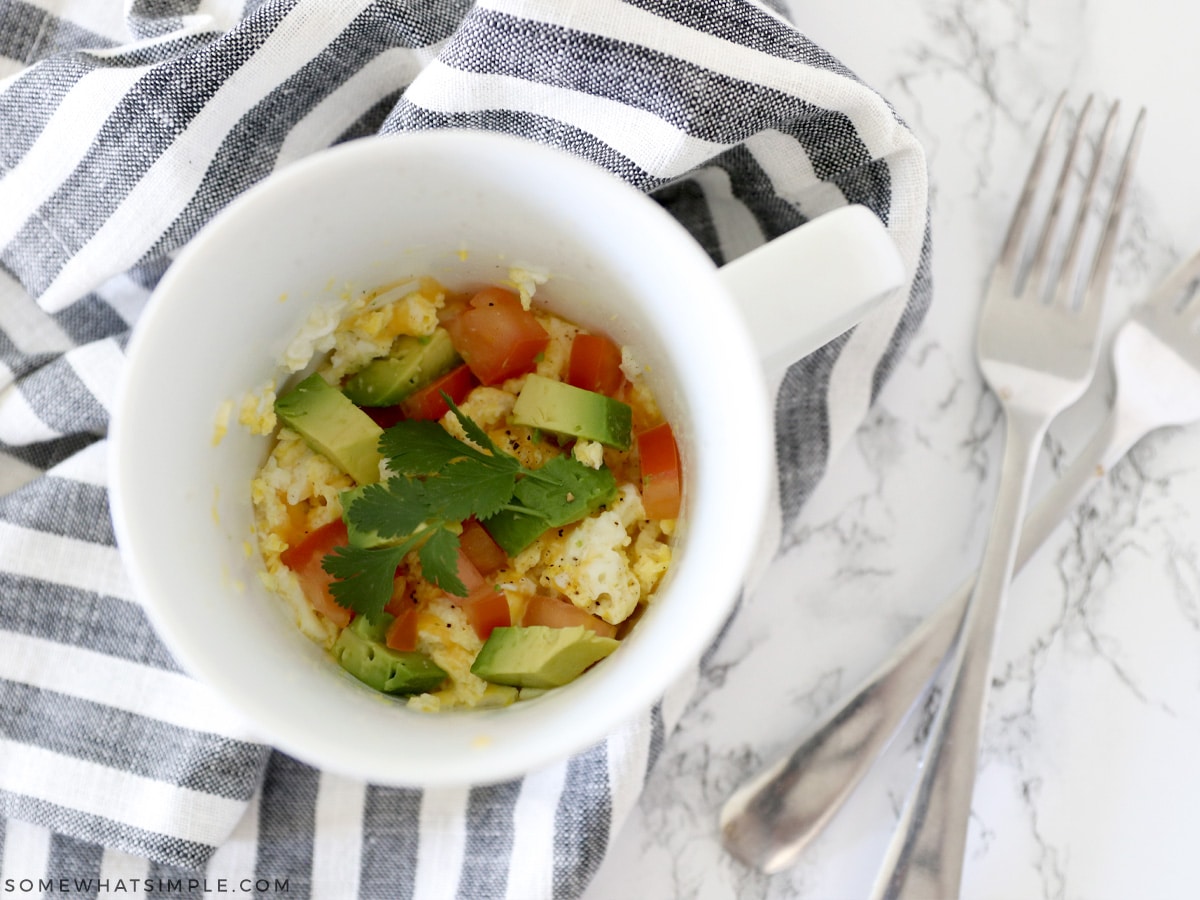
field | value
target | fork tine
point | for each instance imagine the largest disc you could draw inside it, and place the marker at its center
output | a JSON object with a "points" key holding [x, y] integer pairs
{"points": [[1006, 264], [1064, 292], [1035, 281], [1094, 292]]}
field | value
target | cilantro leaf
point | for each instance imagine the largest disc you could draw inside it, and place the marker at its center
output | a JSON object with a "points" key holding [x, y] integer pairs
{"points": [[467, 488], [363, 577], [473, 432], [439, 561], [390, 509], [440, 482], [564, 489], [425, 448], [459, 480], [559, 493]]}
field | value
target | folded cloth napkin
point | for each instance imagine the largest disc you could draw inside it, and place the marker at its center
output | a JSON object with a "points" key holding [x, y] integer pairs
{"points": [[123, 128]]}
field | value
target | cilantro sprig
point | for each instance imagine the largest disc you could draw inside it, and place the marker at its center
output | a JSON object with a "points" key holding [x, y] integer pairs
{"points": [[440, 481]]}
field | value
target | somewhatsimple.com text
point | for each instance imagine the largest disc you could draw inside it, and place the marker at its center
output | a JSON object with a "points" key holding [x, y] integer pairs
{"points": [[145, 885]]}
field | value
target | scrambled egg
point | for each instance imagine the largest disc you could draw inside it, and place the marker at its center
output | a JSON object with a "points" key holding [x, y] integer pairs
{"points": [[525, 279], [487, 407], [371, 325], [553, 363], [606, 564], [591, 566], [444, 633], [257, 409], [296, 491], [590, 453]]}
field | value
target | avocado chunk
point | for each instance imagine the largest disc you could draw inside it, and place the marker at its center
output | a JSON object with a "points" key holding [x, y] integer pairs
{"points": [[333, 426], [370, 630], [495, 696], [513, 529], [360, 650], [414, 362], [565, 409], [537, 656]]}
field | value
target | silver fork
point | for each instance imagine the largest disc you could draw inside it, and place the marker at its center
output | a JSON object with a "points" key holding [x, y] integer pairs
{"points": [[1156, 367], [1037, 358], [767, 822]]}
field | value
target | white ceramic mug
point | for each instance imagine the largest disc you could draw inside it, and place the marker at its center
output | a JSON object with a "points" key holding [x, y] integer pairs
{"points": [[462, 207]]}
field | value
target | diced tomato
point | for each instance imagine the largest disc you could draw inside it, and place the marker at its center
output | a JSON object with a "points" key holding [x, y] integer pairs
{"points": [[402, 598], [402, 633], [495, 296], [555, 613], [486, 608], [305, 558], [467, 573], [385, 416], [453, 307], [483, 552], [662, 478], [496, 337], [595, 364], [428, 403]]}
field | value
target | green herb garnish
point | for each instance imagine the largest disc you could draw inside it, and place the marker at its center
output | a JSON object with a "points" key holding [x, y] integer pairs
{"points": [[439, 482]]}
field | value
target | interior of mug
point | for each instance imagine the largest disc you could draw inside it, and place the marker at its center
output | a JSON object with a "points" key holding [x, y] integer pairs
{"points": [[465, 209]]}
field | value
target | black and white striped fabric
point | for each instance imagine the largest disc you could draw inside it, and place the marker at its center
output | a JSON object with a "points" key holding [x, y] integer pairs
{"points": [[124, 126]]}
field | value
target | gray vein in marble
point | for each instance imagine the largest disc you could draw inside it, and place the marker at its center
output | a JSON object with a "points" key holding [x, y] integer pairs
{"points": [[1185, 575], [1084, 566], [1098, 537], [848, 530], [966, 42], [1089, 560], [983, 437], [713, 676], [694, 781], [1047, 862]]}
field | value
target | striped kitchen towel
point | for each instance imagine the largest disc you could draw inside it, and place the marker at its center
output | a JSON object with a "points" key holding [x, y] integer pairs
{"points": [[124, 126]]}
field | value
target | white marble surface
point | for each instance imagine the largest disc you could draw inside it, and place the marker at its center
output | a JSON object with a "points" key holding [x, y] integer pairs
{"points": [[1089, 783]]}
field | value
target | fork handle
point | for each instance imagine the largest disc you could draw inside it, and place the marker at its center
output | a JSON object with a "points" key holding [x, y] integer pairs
{"points": [[924, 859], [770, 820]]}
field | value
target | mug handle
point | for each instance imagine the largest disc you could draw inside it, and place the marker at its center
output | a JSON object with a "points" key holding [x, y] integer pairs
{"points": [[803, 289]]}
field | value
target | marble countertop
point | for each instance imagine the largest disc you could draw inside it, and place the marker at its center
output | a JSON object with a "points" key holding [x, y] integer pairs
{"points": [[1089, 780]]}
